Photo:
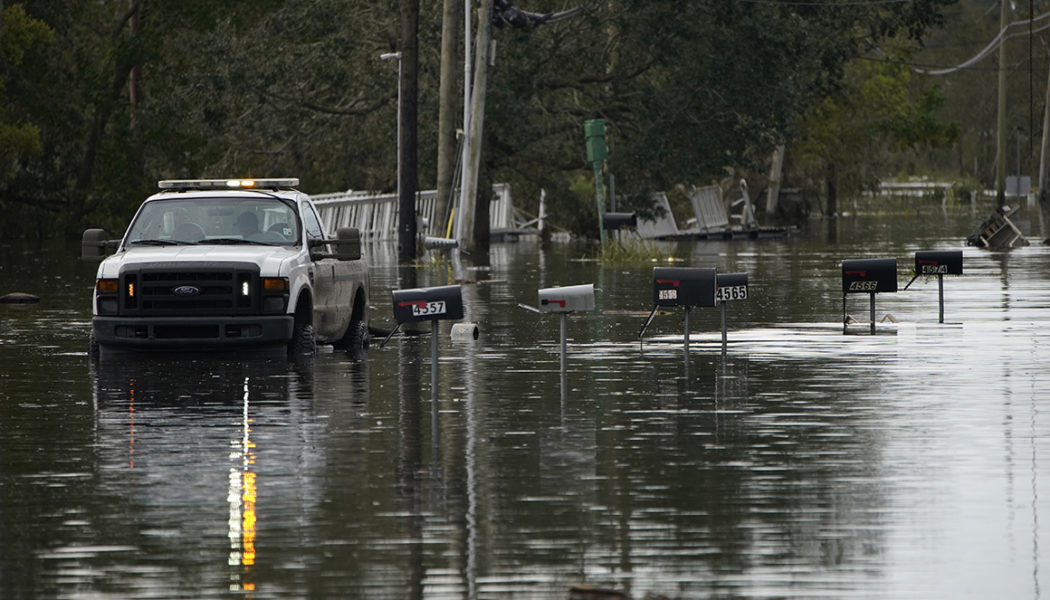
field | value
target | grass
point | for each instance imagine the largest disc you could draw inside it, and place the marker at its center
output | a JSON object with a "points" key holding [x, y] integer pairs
{"points": [[632, 251]]}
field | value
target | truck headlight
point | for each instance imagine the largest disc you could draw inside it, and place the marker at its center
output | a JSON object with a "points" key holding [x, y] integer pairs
{"points": [[274, 295], [106, 296], [107, 286], [275, 284]]}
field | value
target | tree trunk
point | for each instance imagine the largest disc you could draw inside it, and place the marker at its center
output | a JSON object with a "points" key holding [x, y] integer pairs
{"points": [[833, 193], [408, 136], [104, 111], [446, 152]]}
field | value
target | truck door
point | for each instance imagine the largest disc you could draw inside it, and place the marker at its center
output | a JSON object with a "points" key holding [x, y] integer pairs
{"points": [[326, 322]]}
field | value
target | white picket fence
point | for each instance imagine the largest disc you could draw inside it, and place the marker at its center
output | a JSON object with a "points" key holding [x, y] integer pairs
{"points": [[375, 215]]}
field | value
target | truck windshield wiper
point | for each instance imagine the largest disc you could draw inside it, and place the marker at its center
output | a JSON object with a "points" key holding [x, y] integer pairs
{"points": [[237, 241], [160, 243]]}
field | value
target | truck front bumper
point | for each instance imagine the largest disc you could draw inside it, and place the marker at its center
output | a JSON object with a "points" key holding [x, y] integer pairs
{"points": [[192, 332]]}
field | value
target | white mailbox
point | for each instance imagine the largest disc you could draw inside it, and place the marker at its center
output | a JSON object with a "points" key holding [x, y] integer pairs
{"points": [[571, 298]]}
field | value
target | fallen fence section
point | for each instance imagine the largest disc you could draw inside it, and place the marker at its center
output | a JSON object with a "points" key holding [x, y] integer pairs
{"points": [[710, 222], [998, 232]]}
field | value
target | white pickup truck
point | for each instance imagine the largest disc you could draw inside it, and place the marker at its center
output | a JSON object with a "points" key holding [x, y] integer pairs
{"points": [[228, 264]]}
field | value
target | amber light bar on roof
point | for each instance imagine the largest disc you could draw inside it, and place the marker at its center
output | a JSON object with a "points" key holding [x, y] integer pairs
{"points": [[228, 184]]}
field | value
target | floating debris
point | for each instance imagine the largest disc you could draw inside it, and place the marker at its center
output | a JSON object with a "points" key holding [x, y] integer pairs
{"points": [[998, 232], [19, 298]]}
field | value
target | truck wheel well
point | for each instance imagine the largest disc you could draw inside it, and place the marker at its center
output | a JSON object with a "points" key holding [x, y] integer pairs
{"points": [[304, 309], [358, 312]]}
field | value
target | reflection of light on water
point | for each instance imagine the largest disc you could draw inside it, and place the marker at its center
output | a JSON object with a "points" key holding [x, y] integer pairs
{"points": [[241, 496], [248, 519], [131, 426]]}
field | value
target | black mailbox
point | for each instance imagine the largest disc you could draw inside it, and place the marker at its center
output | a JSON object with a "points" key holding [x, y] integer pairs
{"points": [[683, 286], [939, 262], [619, 220], [426, 304], [731, 286], [869, 275]]}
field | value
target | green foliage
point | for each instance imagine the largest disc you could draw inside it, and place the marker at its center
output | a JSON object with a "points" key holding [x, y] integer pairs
{"points": [[131, 92], [633, 252], [879, 112], [18, 33]]}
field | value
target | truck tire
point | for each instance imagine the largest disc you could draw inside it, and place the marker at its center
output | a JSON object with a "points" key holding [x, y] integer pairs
{"points": [[302, 341], [356, 341], [93, 349]]}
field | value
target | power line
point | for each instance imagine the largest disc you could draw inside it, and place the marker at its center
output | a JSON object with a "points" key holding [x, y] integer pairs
{"points": [[921, 66], [1004, 34], [826, 4]]}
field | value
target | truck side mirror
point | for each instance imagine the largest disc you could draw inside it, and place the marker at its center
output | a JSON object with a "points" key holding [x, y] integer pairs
{"points": [[349, 243], [93, 245]]}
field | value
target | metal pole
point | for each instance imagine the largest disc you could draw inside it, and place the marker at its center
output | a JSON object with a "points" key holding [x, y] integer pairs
{"points": [[940, 294], [434, 358], [845, 325], [565, 319], [872, 313], [397, 56], [1000, 145], [599, 196], [686, 340], [564, 336], [564, 367], [724, 328]]}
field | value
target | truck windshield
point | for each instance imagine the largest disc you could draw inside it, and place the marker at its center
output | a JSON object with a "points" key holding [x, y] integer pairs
{"points": [[200, 220]]}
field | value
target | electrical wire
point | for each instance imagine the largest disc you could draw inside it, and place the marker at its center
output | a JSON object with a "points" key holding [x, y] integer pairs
{"points": [[994, 45], [826, 4]]}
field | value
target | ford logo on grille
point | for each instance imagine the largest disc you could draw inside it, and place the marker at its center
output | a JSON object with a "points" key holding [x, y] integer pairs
{"points": [[186, 290]]}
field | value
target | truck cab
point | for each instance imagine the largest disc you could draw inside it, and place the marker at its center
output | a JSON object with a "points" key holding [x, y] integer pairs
{"points": [[228, 264]]}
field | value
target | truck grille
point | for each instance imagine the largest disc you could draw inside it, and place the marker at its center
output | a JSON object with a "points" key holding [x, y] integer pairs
{"points": [[205, 290]]}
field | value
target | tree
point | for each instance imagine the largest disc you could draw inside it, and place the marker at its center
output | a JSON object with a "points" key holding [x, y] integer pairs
{"points": [[18, 139], [878, 114], [686, 89], [279, 88]]}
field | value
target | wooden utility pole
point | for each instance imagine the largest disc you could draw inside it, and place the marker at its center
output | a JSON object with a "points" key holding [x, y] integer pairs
{"points": [[446, 152], [408, 136], [1044, 146], [465, 217], [1000, 146]]}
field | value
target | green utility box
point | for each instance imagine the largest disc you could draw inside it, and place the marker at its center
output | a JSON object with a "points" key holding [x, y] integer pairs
{"points": [[594, 131]]}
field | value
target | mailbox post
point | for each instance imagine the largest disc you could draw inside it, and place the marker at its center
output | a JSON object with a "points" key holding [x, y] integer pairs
{"points": [[686, 287], [939, 263], [564, 301], [730, 287], [870, 276], [428, 304]]}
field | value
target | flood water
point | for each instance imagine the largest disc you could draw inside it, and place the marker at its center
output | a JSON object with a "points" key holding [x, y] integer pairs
{"points": [[804, 462]]}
